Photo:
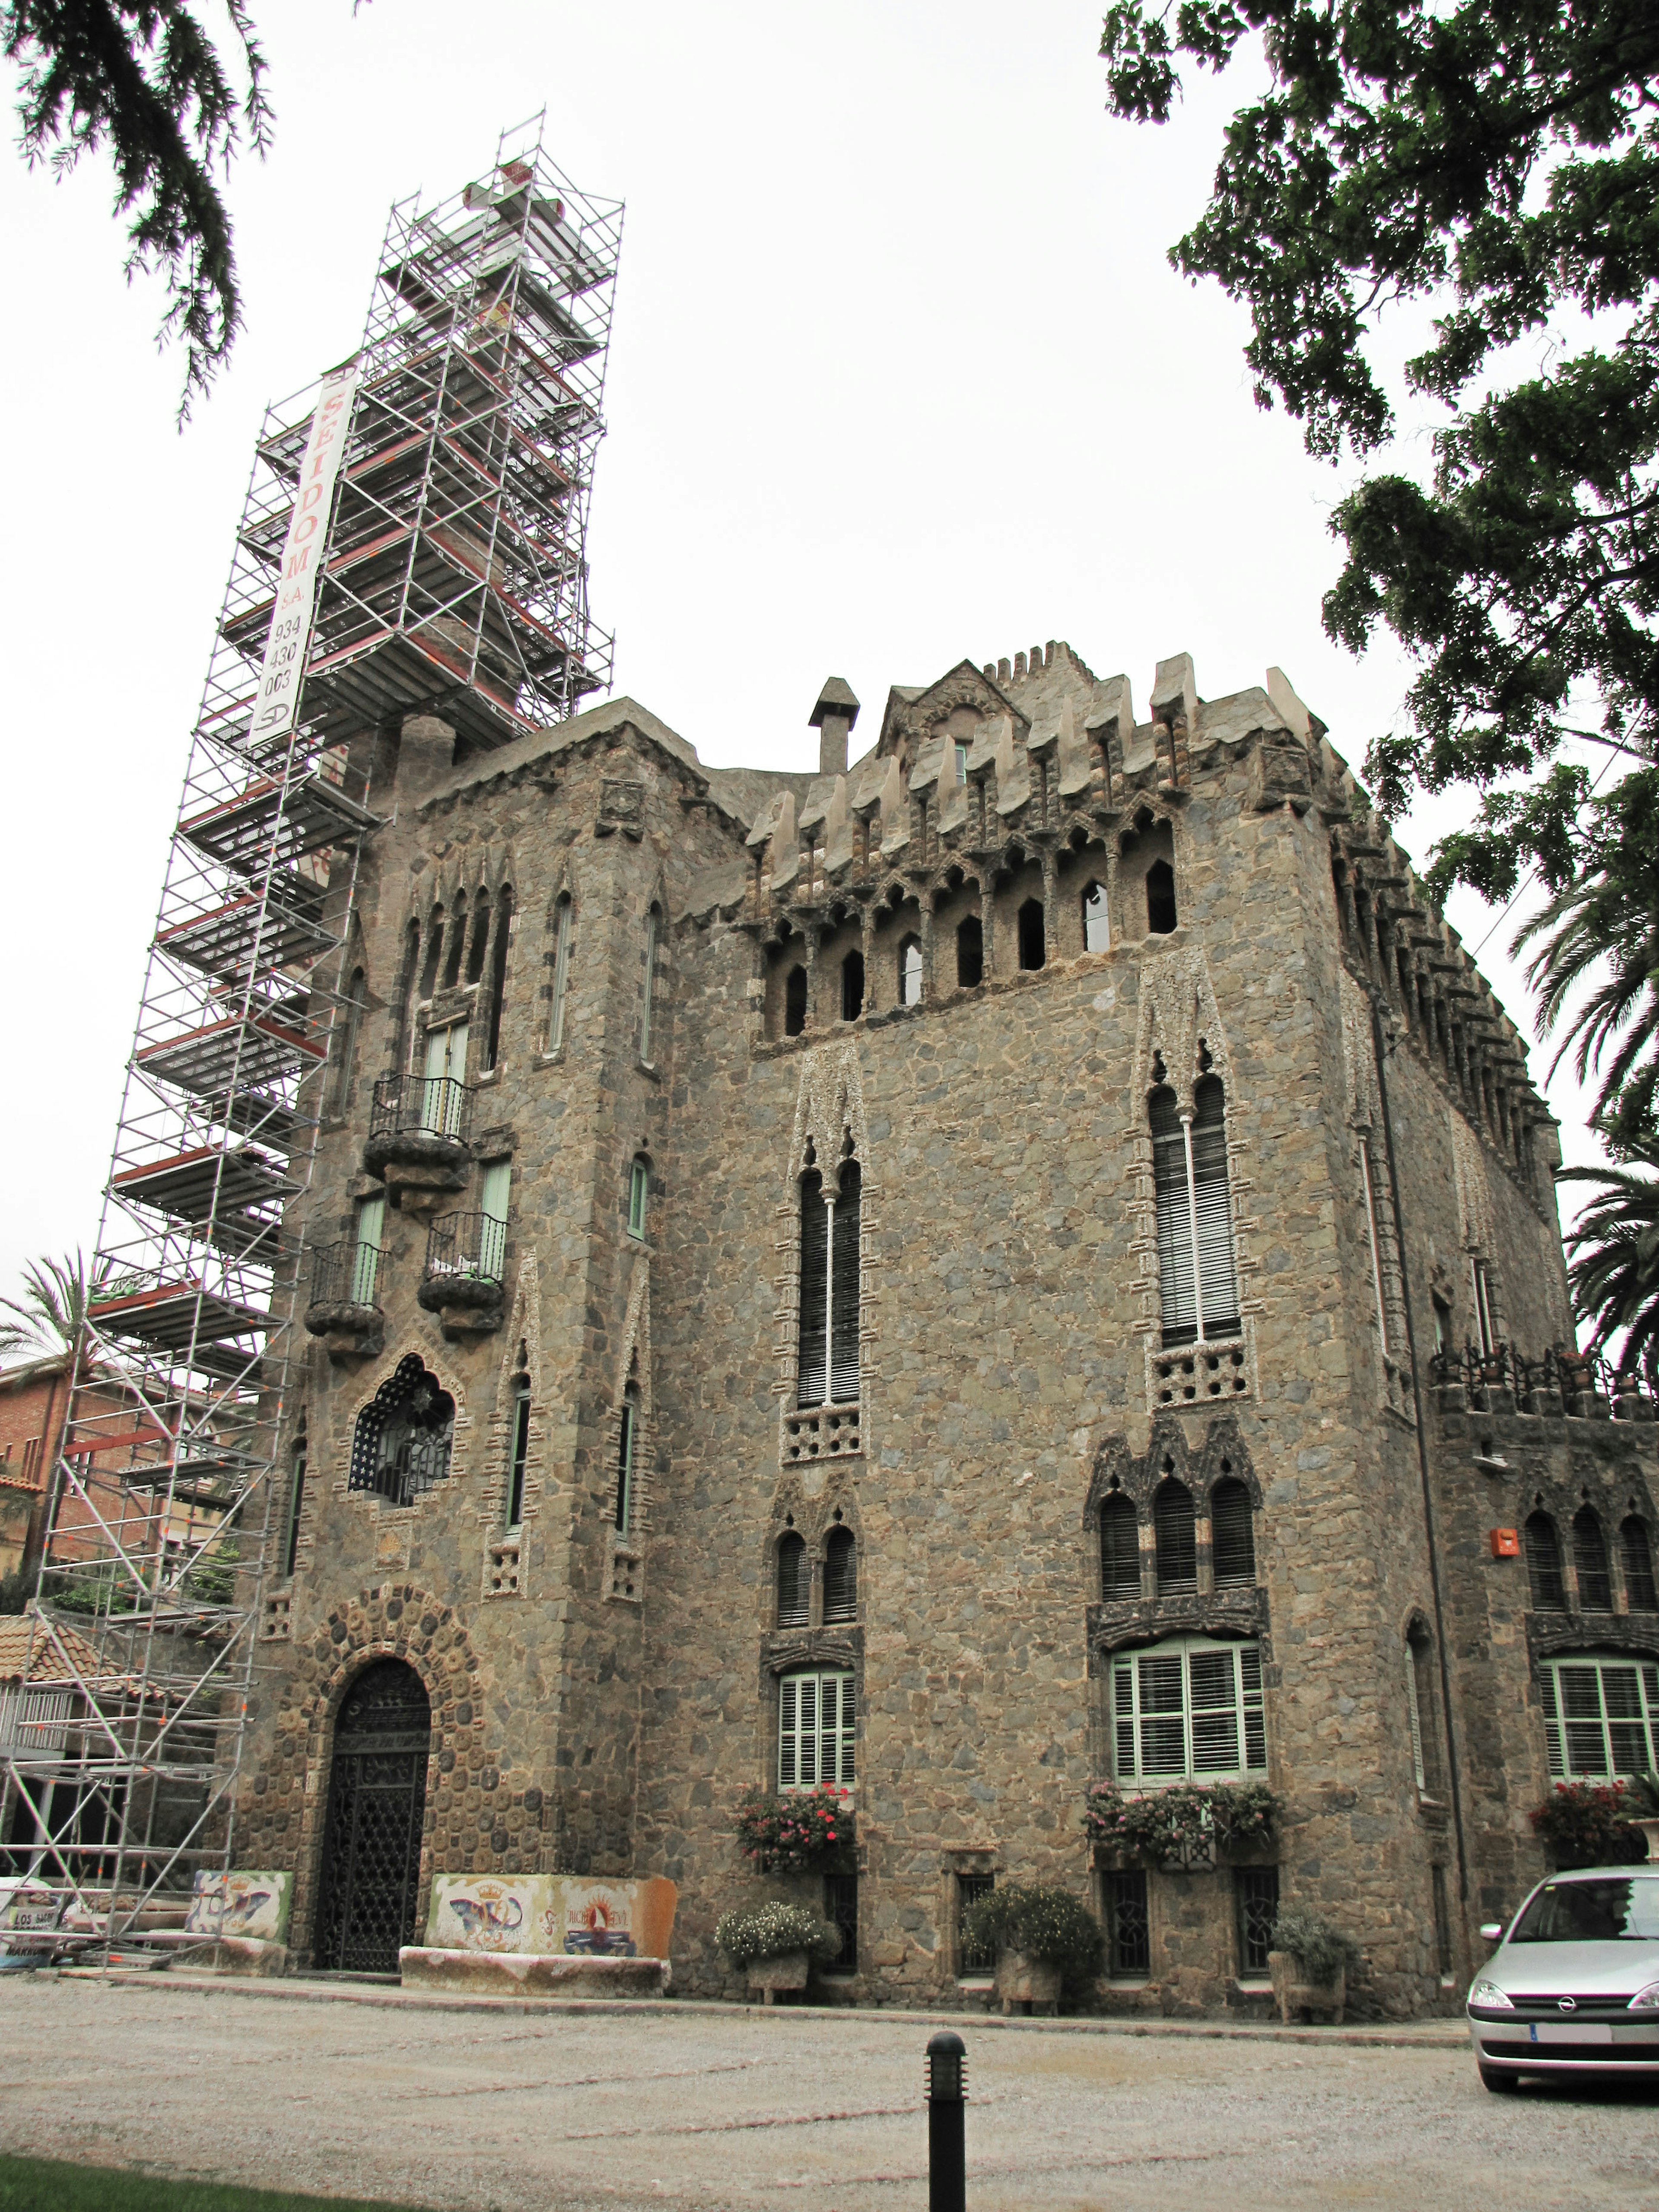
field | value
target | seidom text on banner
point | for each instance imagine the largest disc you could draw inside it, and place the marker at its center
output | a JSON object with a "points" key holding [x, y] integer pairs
{"points": [[274, 705]]}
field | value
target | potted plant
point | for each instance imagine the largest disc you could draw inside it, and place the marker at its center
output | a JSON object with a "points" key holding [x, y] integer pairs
{"points": [[1585, 1824], [806, 1832], [1185, 1825], [1309, 1962], [1644, 1797], [1041, 1936], [776, 1943]]}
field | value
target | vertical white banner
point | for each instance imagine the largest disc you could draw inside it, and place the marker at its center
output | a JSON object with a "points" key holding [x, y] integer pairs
{"points": [[302, 555]]}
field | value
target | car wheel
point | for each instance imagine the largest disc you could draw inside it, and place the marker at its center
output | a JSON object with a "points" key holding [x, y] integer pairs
{"points": [[1499, 2078]]}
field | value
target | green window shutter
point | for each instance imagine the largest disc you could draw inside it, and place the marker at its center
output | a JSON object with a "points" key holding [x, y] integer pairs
{"points": [[1160, 1694], [1123, 1719], [1253, 1708], [1552, 1724], [1174, 1228], [639, 1184], [844, 1289], [1214, 1210], [843, 1773], [497, 1184], [788, 1730], [808, 1687], [366, 1260], [1217, 1729], [812, 1372]]}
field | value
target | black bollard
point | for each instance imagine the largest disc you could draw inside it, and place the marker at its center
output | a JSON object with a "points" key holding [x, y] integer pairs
{"points": [[947, 2088]]}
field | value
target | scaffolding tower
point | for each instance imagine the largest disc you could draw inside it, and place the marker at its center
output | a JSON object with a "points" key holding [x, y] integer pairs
{"points": [[440, 539]]}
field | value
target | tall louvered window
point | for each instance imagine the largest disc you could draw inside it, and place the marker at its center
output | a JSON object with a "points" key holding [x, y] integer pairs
{"points": [[794, 1584], [1590, 1556], [501, 936], [828, 1369], [1188, 1709], [560, 973], [840, 1576], [1544, 1575], [518, 1449], [296, 1498], [1120, 1548], [1175, 1531], [1600, 1715], [1232, 1534], [627, 1445], [815, 1730], [1194, 1216], [1637, 1557]]}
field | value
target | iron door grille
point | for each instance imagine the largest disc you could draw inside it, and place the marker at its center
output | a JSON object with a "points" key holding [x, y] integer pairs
{"points": [[372, 1845], [972, 1959], [1256, 1890]]}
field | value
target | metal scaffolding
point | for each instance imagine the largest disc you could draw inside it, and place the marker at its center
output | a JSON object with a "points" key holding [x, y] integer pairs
{"points": [[451, 579]]}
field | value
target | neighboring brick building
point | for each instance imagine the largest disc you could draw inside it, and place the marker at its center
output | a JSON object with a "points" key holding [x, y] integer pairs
{"points": [[896, 1274]]}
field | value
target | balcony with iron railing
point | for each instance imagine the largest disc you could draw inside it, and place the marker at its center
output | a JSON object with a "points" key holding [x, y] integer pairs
{"points": [[465, 1274], [1564, 1381], [420, 1138], [345, 1307]]}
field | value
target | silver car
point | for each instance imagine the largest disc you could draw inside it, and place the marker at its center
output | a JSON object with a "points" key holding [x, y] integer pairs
{"points": [[1574, 1986]]}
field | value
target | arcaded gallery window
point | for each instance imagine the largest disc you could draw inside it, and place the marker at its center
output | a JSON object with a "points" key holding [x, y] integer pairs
{"points": [[1188, 1710], [815, 1730], [1600, 1715]]}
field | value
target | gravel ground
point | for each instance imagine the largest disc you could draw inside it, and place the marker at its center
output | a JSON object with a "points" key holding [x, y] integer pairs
{"points": [[570, 2111]]}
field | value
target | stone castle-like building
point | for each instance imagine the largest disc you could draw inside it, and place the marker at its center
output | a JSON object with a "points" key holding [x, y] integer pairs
{"points": [[928, 1276]]}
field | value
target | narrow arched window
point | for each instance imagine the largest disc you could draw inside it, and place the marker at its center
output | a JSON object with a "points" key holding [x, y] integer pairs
{"points": [[1590, 1556], [1232, 1534], [408, 979], [1544, 1575], [1160, 899], [456, 943], [1096, 929], [435, 952], [653, 925], [296, 1498], [1637, 1554], [638, 1187], [970, 952], [627, 1445], [1421, 1709], [795, 1001], [1196, 1275], [518, 1449], [1120, 1548], [479, 943], [794, 1584], [356, 1000], [841, 1576], [851, 987], [561, 973], [1033, 949], [1175, 1533], [909, 972], [827, 1355], [503, 930]]}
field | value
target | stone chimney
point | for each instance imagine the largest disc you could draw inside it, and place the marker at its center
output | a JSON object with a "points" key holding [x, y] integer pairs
{"points": [[833, 718]]}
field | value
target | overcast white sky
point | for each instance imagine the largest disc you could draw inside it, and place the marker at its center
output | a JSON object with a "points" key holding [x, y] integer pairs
{"points": [[899, 374]]}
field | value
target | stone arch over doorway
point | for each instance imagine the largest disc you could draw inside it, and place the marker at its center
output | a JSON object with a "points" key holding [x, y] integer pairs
{"points": [[369, 1884]]}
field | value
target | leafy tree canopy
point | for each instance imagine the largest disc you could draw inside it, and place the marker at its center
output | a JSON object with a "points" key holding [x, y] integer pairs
{"points": [[1500, 159], [145, 79]]}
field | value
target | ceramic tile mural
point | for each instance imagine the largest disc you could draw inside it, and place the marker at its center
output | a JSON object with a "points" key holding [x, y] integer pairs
{"points": [[241, 1903], [551, 1915]]}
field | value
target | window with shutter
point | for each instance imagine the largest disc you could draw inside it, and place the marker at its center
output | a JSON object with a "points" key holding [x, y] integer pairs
{"points": [[909, 972], [1194, 1216], [1175, 1236], [1120, 1548], [561, 975], [366, 1257], [844, 1288], [1636, 1554], [812, 1374], [1544, 1575], [493, 1200], [1176, 1535], [638, 1187], [1218, 1315], [815, 1730], [794, 1584], [1232, 1534], [1097, 930], [1590, 1556], [840, 1571], [1600, 1715], [1188, 1710]]}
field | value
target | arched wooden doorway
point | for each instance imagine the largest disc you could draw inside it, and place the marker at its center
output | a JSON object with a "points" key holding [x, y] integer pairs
{"points": [[372, 1841]]}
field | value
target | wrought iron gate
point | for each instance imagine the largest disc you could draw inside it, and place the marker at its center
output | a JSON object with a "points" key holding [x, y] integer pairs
{"points": [[372, 1842]]}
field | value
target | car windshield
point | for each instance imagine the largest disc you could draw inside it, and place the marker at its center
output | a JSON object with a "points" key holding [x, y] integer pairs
{"points": [[1616, 1911]]}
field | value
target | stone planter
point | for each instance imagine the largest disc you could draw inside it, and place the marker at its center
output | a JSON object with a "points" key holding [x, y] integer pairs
{"points": [[787, 1970], [1294, 1994], [1650, 1836], [466, 1305], [348, 1332], [1026, 1981]]}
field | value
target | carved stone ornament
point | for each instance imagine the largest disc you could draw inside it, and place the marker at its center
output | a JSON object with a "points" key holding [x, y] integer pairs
{"points": [[622, 806]]}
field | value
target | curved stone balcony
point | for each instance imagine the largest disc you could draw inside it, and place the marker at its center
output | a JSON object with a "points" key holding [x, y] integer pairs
{"points": [[462, 1282], [419, 1139]]}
